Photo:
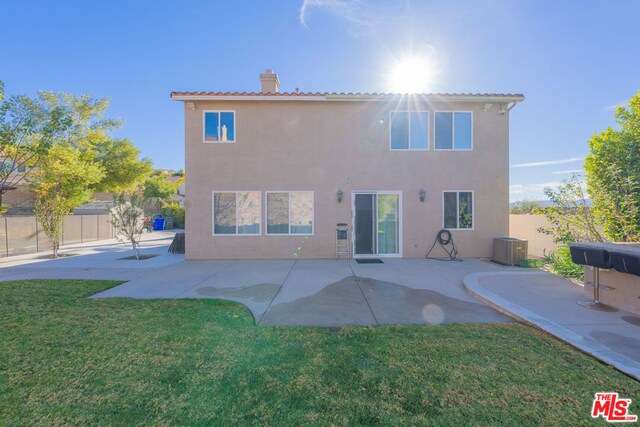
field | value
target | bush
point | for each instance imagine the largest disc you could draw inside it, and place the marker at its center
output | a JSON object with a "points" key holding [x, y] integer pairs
{"points": [[532, 263], [560, 262], [175, 211]]}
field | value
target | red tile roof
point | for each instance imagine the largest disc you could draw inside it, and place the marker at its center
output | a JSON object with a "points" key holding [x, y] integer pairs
{"points": [[342, 94]]}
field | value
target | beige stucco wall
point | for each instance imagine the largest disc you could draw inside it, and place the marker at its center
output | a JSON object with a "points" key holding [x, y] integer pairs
{"points": [[526, 227], [323, 146]]}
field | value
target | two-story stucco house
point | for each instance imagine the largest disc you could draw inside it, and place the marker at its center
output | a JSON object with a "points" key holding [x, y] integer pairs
{"points": [[271, 174]]}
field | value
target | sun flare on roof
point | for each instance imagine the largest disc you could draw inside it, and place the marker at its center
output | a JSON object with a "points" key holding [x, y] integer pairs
{"points": [[413, 74]]}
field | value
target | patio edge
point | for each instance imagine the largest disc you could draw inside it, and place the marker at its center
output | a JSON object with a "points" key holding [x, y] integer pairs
{"points": [[587, 345]]}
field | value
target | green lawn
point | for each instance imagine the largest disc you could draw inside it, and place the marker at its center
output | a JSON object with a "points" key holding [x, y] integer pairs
{"points": [[65, 359]]}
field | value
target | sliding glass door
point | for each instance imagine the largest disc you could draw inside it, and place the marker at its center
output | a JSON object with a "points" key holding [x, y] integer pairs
{"points": [[377, 223]]}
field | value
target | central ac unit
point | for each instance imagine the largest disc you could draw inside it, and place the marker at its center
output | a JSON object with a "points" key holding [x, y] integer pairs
{"points": [[509, 250]]}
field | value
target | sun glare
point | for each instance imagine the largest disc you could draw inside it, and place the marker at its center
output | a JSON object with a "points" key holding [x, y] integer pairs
{"points": [[411, 75]]}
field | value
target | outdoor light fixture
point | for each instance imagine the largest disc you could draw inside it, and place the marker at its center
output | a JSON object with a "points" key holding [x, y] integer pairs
{"points": [[502, 109], [423, 194], [191, 105], [487, 107], [339, 193]]}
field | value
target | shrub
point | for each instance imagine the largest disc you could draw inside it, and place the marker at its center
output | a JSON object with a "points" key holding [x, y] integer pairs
{"points": [[532, 263], [560, 262], [175, 211]]}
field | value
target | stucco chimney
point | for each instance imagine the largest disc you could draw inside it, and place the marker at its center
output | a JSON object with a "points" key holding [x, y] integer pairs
{"points": [[269, 82]]}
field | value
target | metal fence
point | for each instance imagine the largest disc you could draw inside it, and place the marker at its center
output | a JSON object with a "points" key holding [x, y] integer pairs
{"points": [[23, 234]]}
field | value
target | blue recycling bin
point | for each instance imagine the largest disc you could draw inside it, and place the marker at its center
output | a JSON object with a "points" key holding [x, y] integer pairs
{"points": [[158, 224]]}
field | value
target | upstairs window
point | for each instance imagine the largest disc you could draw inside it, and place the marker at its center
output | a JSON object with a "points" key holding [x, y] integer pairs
{"points": [[219, 126], [457, 210], [453, 131], [409, 130]]}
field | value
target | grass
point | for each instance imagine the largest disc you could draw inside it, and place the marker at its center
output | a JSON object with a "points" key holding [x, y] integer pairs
{"points": [[65, 359]]}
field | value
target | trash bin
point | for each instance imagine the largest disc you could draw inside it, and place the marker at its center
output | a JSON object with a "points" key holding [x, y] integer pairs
{"points": [[158, 224]]}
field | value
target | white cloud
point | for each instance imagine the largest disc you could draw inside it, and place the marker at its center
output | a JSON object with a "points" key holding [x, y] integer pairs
{"points": [[527, 188], [534, 191], [530, 191], [548, 162], [613, 107], [568, 171], [354, 11]]}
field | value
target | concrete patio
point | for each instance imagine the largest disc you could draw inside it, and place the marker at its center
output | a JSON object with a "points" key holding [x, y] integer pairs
{"points": [[328, 293], [333, 293]]}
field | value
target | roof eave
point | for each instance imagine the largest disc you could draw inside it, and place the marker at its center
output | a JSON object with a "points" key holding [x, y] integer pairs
{"points": [[346, 97]]}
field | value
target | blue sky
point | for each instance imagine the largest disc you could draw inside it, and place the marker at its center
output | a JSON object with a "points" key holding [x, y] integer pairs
{"points": [[573, 60]]}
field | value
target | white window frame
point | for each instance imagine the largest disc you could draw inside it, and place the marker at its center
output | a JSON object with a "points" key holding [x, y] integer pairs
{"points": [[453, 131], [266, 213], [213, 213], [473, 210], [409, 129], [204, 127]]}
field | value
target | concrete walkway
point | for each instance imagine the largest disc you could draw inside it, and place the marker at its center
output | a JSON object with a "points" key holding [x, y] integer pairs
{"points": [[548, 302]]}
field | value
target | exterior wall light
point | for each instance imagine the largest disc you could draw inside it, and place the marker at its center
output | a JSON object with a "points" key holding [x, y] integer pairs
{"points": [[192, 106], [423, 195], [339, 194]]}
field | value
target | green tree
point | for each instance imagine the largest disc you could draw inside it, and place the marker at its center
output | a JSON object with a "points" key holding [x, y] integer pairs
{"points": [[90, 133], [525, 207], [62, 183], [127, 219], [158, 186], [123, 171], [28, 129], [613, 174], [571, 218]]}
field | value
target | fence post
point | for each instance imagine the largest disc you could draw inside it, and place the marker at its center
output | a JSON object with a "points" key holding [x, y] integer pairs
{"points": [[37, 235], [6, 234]]}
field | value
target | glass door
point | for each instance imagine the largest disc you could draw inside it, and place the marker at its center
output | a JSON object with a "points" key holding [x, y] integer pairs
{"points": [[364, 220], [377, 223], [388, 221]]}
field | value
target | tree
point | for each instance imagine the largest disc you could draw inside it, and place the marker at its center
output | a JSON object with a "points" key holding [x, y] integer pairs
{"points": [[62, 183], [525, 207], [28, 128], [158, 186], [571, 218], [90, 133], [127, 219], [123, 171], [613, 174]]}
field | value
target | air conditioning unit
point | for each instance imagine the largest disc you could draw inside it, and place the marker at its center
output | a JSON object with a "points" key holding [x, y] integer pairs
{"points": [[509, 250]]}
